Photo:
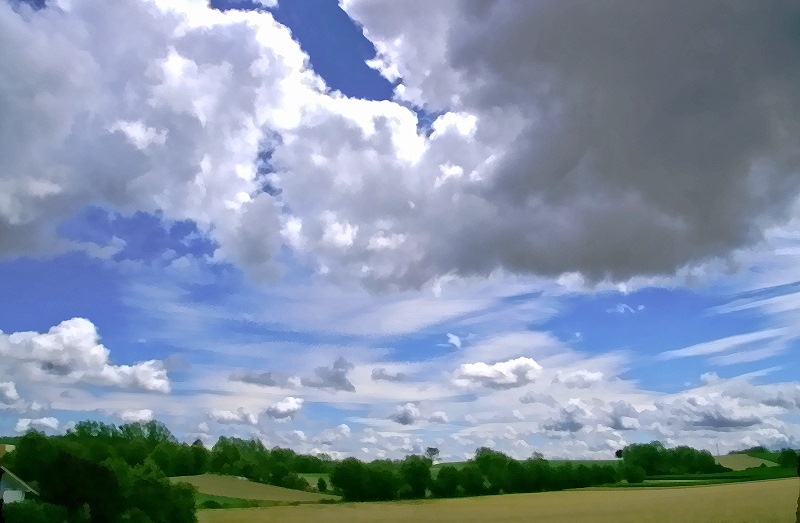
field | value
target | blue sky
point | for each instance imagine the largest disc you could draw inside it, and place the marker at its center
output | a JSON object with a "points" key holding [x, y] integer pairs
{"points": [[418, 273]]}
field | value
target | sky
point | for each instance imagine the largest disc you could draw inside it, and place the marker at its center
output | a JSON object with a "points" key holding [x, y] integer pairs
{"points": [[364, 228]]}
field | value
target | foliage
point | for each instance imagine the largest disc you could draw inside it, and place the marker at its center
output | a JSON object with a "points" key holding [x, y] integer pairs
{"points": [[446, 483], [358, 481], [416, 472], [87, 473], [322, 485], [633, 473], [787, 458], [34, 511], [656, 459], [432, 453]]}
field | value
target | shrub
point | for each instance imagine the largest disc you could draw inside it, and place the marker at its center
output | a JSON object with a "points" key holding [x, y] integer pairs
{"points": [[634, 474], [33, 511]]}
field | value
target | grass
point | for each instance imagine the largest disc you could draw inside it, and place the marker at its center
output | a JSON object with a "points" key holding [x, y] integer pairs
{"points": [[766, 456], [313, 477], [743, 461], [231, 487], [755, 502]]}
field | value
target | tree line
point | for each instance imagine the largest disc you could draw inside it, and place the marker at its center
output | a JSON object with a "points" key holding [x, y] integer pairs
{"points": [[100, 472], [654, 459], [489, 472], [103, 472]]}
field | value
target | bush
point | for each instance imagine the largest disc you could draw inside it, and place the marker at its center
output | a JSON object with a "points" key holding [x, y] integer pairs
{"points": [[322, 485], [787, 458], [33, 511], [211, 503], [634, 474]]}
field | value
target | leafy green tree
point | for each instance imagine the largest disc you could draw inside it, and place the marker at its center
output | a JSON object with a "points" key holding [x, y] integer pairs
{"points": [[383, 482], [416, 472], [787, 458], [350, 477], [633, 473], [446, 483], [471, 480], [494, 466], [75, 483], [322, 485], [432, 453], [34, 511]]}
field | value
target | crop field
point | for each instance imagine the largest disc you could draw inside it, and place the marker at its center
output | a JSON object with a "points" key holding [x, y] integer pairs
{"points": [[232, 487], [758, 502], [313, 477], [743, 461]]}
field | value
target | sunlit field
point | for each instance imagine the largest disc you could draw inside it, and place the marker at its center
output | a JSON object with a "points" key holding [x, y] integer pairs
{"points": [[757, 502], [743, 461], [232, 487]]}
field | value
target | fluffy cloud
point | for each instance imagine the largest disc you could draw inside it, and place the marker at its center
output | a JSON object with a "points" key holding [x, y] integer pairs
{"points": [[136, 416], [571, 418], [578, 379], [529, 93], [71, 352], [8, 393], [331, 436], [286, 408], [333, 377], [712, 411], [536, 397], [26, 424], [500, 375], [155, 144], [407, 414], [439, 417], [229, 417]]}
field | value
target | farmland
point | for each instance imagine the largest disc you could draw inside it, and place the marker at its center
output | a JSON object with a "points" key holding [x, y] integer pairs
{"points": [[231, 487], [743, 461], [764, 502]]}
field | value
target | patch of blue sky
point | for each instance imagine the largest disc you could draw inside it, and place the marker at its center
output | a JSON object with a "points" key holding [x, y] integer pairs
{"points": [[336, 46], [44, 292], [147, 236]]}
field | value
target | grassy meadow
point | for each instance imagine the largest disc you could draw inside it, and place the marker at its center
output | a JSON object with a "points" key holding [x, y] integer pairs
{"points": [[242, 489], [757, 502], [743, 461]]}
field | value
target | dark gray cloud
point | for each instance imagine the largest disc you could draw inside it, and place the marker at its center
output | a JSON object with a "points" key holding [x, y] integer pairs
{"points": [[535, 397], [639, 136], [334, 377], [571, 418], [407, 414], [381, 374], [623, 416], [722, 421], [265, 379]]}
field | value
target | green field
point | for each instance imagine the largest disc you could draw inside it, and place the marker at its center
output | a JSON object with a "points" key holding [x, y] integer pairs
{"points": [[756, 502], [313, 477], [743, 461], [766, 456], [242, 489]]}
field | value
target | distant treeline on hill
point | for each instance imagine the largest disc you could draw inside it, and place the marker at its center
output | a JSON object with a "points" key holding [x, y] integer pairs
{"points": [[124, 472], [786, 457]]}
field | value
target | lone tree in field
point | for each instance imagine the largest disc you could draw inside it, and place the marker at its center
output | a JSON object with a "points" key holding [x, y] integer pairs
{"points": [[432, 453], [322, 485]]}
